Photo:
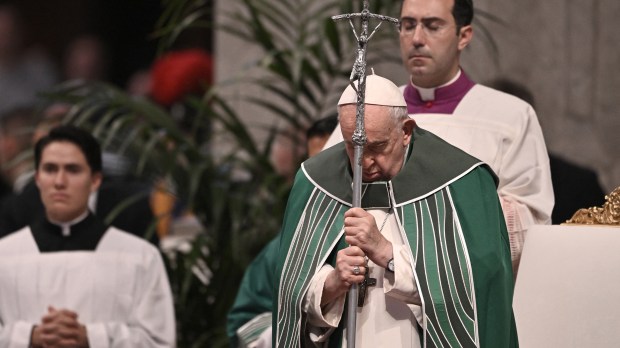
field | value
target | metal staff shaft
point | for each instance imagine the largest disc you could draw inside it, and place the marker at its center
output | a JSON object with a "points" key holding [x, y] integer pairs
{"points": [[359, 139], [358, 73]]}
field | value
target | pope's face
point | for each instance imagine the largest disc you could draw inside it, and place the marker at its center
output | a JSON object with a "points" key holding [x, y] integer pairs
{"points": [[386, 141], [65, 181], [429, 43]]}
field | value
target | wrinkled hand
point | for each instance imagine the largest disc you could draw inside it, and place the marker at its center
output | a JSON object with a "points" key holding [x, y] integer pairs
{"points": [[59, 328], [361, 231], [340, 279]]}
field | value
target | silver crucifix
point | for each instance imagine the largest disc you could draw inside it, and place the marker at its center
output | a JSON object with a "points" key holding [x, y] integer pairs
{"points": [[358, 73]]}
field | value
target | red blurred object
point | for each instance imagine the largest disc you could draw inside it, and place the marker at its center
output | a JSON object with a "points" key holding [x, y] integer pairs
{"points": [[177, 74]]}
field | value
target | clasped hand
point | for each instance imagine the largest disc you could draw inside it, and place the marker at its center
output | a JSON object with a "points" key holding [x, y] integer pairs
{"points": [[365, 240], [59, 328]]}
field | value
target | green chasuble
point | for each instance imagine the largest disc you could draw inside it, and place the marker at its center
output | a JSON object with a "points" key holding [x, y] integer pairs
{"points": [[449, 214]]}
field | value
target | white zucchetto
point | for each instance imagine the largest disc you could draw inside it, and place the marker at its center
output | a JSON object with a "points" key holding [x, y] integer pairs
{"points": [[379, 91]]}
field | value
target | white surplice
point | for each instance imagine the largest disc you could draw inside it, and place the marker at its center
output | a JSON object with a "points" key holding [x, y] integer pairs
{"points": [[503, 131], [120, 291]]}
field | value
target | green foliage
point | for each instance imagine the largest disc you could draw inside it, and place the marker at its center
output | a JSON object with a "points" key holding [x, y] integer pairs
{"points": [[307, 56]]}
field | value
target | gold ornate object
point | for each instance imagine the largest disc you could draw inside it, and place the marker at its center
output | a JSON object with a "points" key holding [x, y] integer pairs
{"points": [[608, 214]]}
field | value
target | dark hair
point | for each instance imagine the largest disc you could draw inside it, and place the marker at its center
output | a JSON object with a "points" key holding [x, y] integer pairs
{"points": [[322, 127], [81, 138], [463, 13]]}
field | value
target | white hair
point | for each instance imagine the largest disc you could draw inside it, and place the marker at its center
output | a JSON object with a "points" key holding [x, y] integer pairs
{"points": [[398, 113]]}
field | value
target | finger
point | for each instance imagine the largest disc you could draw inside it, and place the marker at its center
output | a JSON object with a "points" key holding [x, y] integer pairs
{"points": [[59, 318], [360, 239], [46, 319], [67, 343], [360, 227], [344, 259], [350, 270], [353, 240], [67, 319], [355, 223], [353, 251], [353, 230], [363, 241], [358, 270], [68, 333], [355, 279], [67, 313], [62, 326], [355, 261], [347, 265], [356, 219], [49, 340], [355, 212], [50, 315], [347, 276], [68, 324], [48, 328]]}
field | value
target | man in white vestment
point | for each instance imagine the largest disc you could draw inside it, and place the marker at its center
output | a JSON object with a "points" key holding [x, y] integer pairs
{"points": [[501, 130], [428, 245], [66, 280]]}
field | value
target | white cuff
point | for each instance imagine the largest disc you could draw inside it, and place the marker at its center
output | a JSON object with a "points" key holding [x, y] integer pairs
{"points": [[328, 315], [401, 284], [22, 331], [97, 335]]}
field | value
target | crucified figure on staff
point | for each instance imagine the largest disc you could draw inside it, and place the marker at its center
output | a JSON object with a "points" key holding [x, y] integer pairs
{"points": [[359, 66]]}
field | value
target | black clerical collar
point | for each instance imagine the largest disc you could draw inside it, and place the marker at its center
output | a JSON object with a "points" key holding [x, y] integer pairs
{"points": [[85, 235]]}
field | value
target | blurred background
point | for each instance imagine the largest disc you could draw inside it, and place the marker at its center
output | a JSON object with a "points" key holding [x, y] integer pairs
{"points": [[206, 103], [123, 28], [565, 52]]}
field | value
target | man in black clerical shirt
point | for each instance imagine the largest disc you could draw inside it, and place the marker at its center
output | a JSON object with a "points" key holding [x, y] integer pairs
{"points": [[67, 280], [66, 176]]}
